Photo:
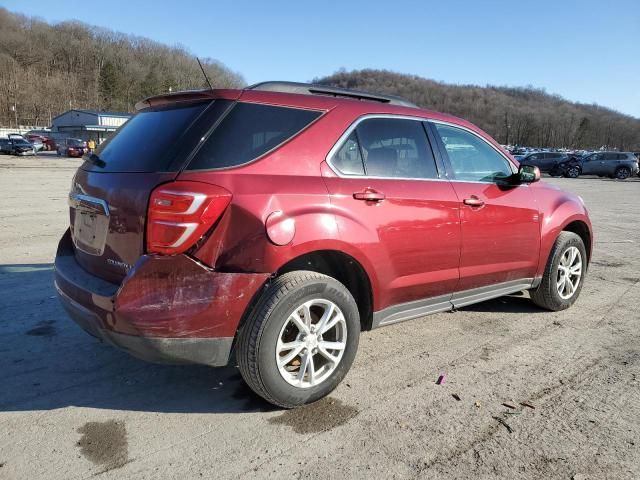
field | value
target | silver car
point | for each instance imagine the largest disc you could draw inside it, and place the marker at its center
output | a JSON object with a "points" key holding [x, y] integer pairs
{"points": [[620, 165]]}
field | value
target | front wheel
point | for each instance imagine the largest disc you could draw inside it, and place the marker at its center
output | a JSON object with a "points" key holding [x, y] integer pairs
{"points": [[623, 173], [300, 340], [564, 274]]}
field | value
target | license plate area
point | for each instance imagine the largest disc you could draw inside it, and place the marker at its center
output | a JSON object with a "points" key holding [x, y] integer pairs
{"points": [[90, 217]]}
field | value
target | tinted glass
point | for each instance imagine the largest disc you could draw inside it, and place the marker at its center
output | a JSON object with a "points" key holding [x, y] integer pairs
{"points": [[348, 159], [396, 148], [143, 143], [471, 158], [248, 131]]}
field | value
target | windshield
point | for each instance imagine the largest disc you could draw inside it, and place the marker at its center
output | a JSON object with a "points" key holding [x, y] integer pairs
{"points": [[75, 143]]}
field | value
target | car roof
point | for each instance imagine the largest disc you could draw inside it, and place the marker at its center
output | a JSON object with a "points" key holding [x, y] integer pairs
{"points": [[311, 96]]}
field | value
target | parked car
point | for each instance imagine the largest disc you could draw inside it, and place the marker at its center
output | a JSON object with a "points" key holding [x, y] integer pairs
{"points": [[16, 145], [5, 146], [72, 147], [547, 162], [275, 223], [620, 165], [37, 144], [637, 155], [45, 136], [41, 142]]}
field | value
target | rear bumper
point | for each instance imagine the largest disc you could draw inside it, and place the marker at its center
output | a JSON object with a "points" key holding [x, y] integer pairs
{"points": [[167, 310]]}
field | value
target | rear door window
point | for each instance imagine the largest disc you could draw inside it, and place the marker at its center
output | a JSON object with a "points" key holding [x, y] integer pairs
{"points": [[248, 131], [396, 148]]}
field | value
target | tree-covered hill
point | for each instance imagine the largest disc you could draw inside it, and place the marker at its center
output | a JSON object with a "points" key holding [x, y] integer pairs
{"points": [[523, 116], [46, 69]]}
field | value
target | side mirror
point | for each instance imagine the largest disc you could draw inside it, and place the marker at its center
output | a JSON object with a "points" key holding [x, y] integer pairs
{"points": [[528, 174]]}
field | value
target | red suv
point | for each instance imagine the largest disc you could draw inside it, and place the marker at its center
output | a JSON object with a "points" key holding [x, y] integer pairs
{"points": [[277, 222]]}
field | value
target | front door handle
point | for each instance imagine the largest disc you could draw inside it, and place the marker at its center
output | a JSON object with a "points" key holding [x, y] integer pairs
{"points": [[369, 195], [473, 201]]}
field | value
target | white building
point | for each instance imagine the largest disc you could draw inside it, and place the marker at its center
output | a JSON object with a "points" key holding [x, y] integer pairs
{"points": [[87, 124]]}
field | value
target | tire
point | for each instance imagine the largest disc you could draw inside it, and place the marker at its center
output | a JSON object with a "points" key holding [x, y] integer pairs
{"points": [[271, 320], [572, 172], [547, 295], [623, 173]]}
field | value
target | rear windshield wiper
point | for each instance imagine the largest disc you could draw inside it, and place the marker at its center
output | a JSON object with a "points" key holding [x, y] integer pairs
{"points": [[95, 159]]}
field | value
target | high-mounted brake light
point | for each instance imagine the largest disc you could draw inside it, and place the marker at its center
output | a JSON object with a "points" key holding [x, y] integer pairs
{"points": [[180, 213]]}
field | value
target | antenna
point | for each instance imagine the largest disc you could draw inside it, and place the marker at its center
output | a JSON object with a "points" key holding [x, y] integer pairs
{"points": [[204, 73]]}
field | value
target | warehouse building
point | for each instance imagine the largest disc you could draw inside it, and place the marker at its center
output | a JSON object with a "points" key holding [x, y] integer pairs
{"points": [[87, 124]]}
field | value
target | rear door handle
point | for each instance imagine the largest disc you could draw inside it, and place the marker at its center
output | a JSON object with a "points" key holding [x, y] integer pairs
{"points": [[473, 201], [369, 195]]}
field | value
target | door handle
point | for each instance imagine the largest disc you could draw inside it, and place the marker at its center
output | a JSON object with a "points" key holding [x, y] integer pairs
{"points": [[473, 201], [369, 195]]}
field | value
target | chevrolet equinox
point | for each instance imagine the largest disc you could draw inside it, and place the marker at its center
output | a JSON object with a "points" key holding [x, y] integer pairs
{"points": [[273, 224]]}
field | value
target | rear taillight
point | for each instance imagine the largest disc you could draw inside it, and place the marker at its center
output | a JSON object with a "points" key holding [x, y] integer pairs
{"points": [[180, 213]]}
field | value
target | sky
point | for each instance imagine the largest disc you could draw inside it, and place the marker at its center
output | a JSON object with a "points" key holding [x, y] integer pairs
{"points": [[586, 51]]}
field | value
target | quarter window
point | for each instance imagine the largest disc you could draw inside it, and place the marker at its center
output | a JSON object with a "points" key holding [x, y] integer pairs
{"points": [[249, 131], [348, 160], [471, 158]]}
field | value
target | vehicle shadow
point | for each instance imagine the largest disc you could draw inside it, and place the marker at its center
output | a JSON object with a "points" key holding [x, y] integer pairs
{"points": [[515, 303], [48, 362]]}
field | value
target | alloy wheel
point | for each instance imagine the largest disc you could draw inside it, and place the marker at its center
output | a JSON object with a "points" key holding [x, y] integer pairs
{"points": [[569, 273], [311, 343], [622, 174]]}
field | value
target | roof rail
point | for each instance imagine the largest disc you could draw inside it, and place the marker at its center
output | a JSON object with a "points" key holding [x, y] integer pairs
{"points": [[314, 89]]}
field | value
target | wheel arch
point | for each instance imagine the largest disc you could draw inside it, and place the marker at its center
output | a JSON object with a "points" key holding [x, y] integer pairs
{"points": [[562, 211], [344, 268], [581, 229]]}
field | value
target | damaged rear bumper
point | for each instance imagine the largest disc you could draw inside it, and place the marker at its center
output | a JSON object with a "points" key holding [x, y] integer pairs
{"points": [[167, 310]]}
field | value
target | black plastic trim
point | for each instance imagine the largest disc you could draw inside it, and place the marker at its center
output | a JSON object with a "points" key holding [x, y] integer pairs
{"points": [[314, 89]]}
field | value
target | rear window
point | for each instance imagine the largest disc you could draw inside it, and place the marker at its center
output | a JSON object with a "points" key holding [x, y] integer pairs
{"points": [[146, 141], [249, 131]]}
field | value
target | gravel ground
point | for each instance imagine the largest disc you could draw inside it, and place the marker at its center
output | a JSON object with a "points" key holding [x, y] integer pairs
{"points": [[541, 395]]}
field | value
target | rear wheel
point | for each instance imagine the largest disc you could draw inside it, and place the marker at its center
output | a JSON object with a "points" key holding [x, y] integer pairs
{"points": [[573, 172], [623, 173], [300, 340], [564, 275]]}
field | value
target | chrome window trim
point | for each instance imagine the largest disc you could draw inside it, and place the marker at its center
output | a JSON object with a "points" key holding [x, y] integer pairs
{"points": [[345, 135]]}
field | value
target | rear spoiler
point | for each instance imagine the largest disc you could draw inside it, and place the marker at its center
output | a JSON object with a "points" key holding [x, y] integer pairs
{"points": [[187, 96]]}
